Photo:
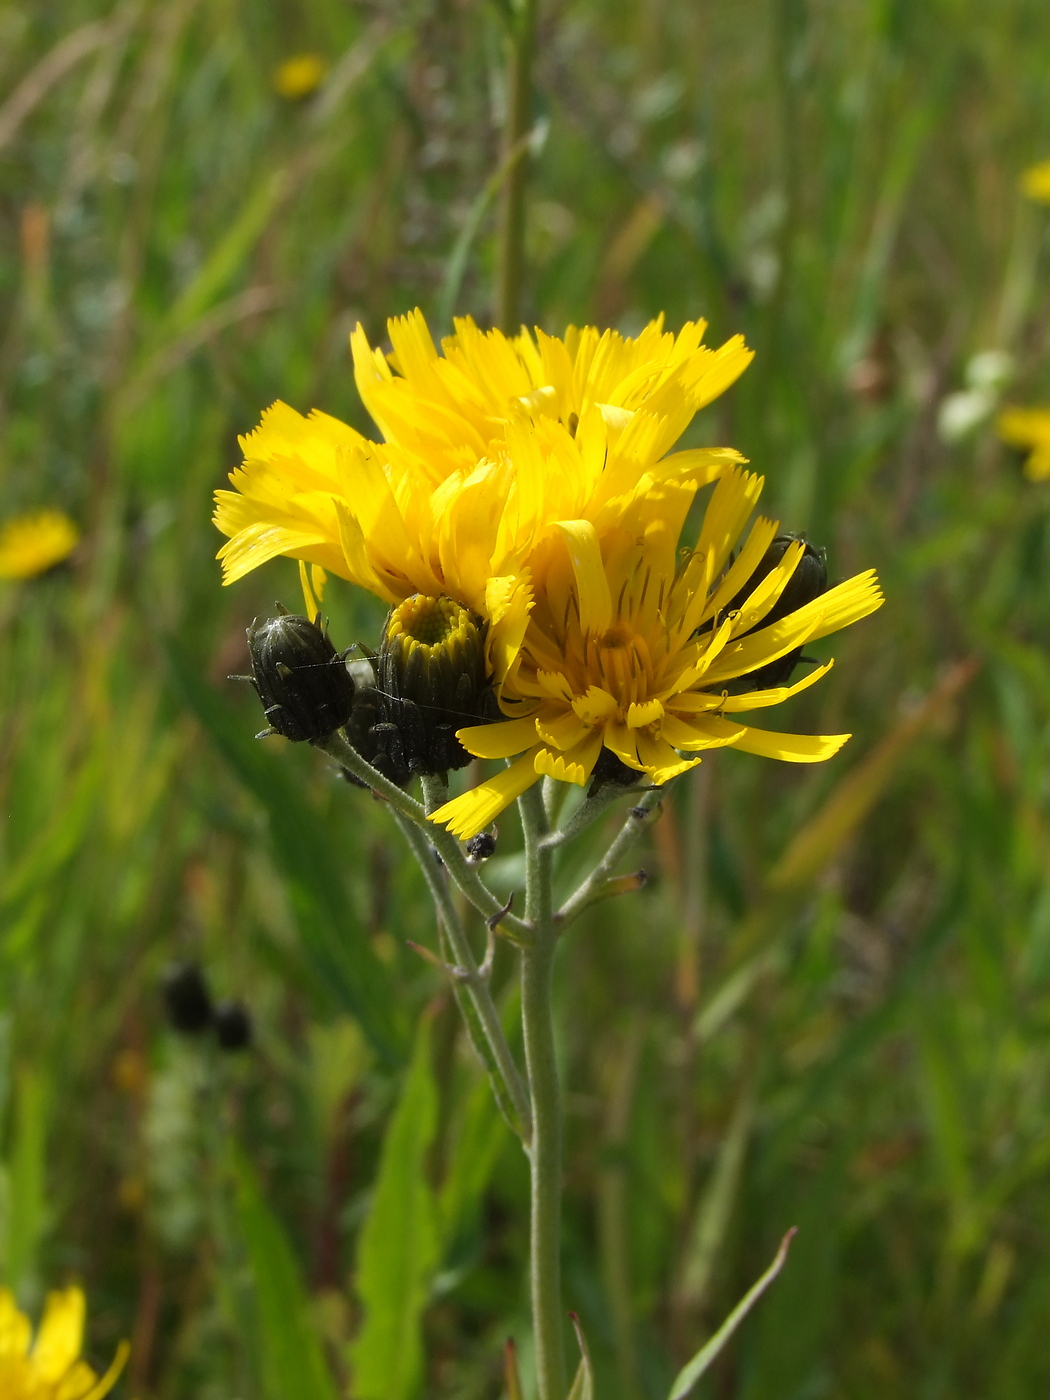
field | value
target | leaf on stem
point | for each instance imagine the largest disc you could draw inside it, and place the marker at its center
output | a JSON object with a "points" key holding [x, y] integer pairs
{"points": [[583, 1385], [292, 1355], [510, 1370], [398, 1250], [690, 1374]]}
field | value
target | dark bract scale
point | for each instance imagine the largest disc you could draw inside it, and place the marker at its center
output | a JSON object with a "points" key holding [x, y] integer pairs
{"points": [[305, 688], [186, 999], [233, 1026]]}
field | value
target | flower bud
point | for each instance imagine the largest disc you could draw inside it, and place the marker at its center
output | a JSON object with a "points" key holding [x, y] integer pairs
{"points": [[186, 999], [233, 1026], [305, 688], [430, 681], [481, 847], [809, 581]]}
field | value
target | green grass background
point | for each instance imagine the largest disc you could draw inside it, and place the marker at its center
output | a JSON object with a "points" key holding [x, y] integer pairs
{"points": [[830, 1008]]}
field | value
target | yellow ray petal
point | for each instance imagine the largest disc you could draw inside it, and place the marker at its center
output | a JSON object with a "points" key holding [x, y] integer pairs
{"points": [[576, 765], [623, 742], [596, 609], [638, 716], [839, 607], [563, 731], [597, 704], [502, 740], [105, 1383], [760, 699], [692, 734], [60, 1335], [659, 759], [477, 809], [791, 748], [727, 511]]}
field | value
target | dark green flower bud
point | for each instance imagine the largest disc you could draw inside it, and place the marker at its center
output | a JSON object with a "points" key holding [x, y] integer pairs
{"points": [[303, 683], [809, 581], [430, 681], [187, 1000], [233, 1026], [481, 847]]}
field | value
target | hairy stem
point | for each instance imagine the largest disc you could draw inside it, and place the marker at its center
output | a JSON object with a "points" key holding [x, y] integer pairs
{"points": [[592, 888], [511, 262], [510, 1090], [537, 969], [466, 876]]}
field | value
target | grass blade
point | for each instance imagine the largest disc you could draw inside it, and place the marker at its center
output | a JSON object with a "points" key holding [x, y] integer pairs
{"points": [[292, 1357], [690, 1374], [398, 1249]]}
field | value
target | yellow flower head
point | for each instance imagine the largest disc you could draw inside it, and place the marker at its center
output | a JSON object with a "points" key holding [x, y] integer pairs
{"points": [[1029, 428], [1035, 182], [50, 1367], [32, 544], [298, 77], [631, 650], [487, 446]]}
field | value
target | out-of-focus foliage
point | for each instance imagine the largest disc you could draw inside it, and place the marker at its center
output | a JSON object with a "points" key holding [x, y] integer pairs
{"points": [[831, 1006]]}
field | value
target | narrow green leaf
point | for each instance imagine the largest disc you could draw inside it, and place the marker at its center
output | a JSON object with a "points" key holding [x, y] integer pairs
{"points": [[398, 1250], [229, 254], [583, 1385], [716, 1205], [481, 1138], [689, 1375], [26, 1205], [293, 1362], [337, 947], [512, 1378]]}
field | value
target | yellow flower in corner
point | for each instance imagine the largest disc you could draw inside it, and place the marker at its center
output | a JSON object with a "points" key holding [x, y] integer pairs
{"points": [[1035, 182], [1029, 428], [50, 1368], [32, 544], [487, 446], [634, 653], [298, 77]]}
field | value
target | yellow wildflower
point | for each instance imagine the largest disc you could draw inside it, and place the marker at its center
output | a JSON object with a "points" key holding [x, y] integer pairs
{"points": [[32, 544], [1035, 182], [50, 1367], [632, 650], [487, 446], [1029, 428], [298, 77]]}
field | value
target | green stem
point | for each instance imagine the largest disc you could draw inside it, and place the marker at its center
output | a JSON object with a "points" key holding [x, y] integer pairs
{"points": [[470, 883], [591, 889], [500, 1059], [537, 974], [512, 210]]}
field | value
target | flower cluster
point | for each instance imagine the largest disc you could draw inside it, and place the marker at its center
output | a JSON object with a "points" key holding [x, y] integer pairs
{"points": [[531, 482], [50, 1368]]}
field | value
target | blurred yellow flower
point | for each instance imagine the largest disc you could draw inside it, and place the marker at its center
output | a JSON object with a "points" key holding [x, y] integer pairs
{"points": [[487, 446], [50, 1367], [1029, 428], [298, 77], [636, 651], [1035, 182], [32, 544]]}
